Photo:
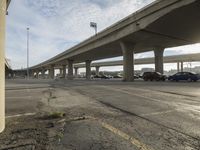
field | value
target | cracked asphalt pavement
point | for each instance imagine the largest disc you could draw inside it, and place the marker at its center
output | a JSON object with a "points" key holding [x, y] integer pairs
{"points": [[112, 114]]}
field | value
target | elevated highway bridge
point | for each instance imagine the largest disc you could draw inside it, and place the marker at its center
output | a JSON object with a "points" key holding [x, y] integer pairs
{"points": [[178, 59], [160, 25]]}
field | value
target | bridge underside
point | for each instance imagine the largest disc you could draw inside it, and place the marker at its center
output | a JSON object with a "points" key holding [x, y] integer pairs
{"points": [[177, 28]]}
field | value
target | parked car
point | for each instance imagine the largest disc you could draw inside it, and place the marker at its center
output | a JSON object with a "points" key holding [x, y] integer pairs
{"points": [[96, 76], [153, 76], [117, 76], [187, 76], [141, 76], [136, 77], [110, 77], [105, 77]]}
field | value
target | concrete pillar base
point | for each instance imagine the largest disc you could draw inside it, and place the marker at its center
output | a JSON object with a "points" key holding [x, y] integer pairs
{"points": [[43, 73], [64, 71], [158, 52], [182, 69], [37, 74], [70, 70], [88, 69], [61, 72], [32, 74], [97, 70], [178, 66], [51, 72], [76, 72], [128, 61]]}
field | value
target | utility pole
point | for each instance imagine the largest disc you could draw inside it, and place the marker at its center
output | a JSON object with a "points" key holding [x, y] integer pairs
{"points": [[27, 53]]}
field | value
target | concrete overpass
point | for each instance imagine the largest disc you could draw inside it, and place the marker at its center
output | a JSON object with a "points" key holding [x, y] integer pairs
{"points": [[179, 59], [160, 25]]}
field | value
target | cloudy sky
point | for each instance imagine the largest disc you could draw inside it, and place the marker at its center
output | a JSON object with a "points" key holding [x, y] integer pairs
{"points": [[56, 25]]}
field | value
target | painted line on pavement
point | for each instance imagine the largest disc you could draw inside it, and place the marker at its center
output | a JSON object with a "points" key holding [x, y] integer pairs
{"points": [[125, 136], [20, 115], [19, 97], [122, 134]]}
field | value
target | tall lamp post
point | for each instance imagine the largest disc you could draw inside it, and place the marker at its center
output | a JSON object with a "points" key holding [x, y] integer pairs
{"points": [[27, 53], [94, 25]]}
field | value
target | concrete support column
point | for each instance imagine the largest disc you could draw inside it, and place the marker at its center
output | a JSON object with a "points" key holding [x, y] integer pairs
{"points": [[128, 61], [88, 69], [43, 73], [70, 70], [2, 62], [76, 71], [32, 73], [97, 70], [48, 74], [182, 67], [178, 66], [60, 70], [64, 71], [158, 52], [37, 74], [51, 72]]}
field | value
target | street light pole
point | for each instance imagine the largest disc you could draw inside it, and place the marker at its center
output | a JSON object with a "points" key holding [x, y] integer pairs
{"points": [[27, 53], [94, 25]]}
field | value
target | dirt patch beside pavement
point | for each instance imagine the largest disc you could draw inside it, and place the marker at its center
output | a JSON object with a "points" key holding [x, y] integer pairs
{"points": [[35, 131], [44, 128], [31, 133]]}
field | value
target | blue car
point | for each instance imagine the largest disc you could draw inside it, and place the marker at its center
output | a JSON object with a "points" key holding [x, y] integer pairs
{"points": [[187, 76]]}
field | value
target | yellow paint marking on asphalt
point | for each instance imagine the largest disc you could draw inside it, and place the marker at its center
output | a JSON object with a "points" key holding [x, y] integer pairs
{"points": [[125, 136], [120, 133]]}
